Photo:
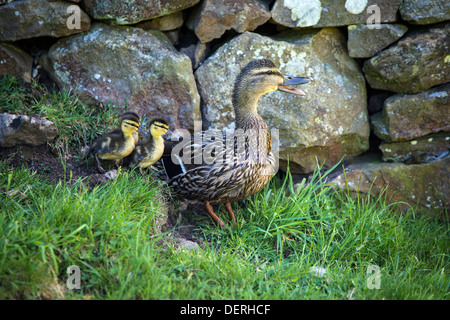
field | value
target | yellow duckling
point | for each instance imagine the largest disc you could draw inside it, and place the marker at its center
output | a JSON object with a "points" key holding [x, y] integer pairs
{"points": [[118, 143], [149, 151]]}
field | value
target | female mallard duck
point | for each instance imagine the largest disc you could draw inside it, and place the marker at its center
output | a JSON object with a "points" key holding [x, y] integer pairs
{"points": [[118, 143], [245, 167], [146, 153]]}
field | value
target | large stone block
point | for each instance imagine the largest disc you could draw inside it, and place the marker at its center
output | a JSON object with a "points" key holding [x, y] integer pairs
{"points": [[408, 116], [15, 61], [364, 42], [425, 11], [213, 17], [421, 150], [41, 18], [419, 61], [423, 186], [133, 11], [128, 66]]}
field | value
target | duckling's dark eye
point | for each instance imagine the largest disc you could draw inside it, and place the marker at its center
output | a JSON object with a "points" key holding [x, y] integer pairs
{"points": [[269, 72]]}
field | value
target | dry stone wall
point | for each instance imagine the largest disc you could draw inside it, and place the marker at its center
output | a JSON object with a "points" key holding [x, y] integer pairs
{"points": [[381, 74]]}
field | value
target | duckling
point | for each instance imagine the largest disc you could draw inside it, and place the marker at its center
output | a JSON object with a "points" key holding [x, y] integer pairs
{"points": [[235, 175], [146, 153], [118, 143]]}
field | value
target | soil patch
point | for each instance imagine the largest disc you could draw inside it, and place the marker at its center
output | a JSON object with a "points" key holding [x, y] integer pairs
{"points": [[47, 162]]}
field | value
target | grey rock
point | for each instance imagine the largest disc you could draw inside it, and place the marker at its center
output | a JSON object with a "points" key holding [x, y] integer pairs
{"points": [[213, 17], [424, 186], [425, 11], [419, 61], [364, 42], [25, 130], [197, 53], [125, 12], [420, 150], [379, 127], [185, 244], [15, 61], [38, 18], [405, 117]]}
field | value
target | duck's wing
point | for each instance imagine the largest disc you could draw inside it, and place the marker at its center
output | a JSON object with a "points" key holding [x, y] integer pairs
{"points": [[206, 183], [213, 149], [189, 152], [135, 156]]}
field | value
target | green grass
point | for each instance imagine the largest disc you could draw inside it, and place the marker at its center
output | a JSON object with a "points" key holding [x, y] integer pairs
{"points": [[280, 238], [284, 235], [46, 227]]}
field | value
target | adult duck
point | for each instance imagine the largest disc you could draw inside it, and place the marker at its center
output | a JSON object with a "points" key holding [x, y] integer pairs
{"points": [[219, 168]]}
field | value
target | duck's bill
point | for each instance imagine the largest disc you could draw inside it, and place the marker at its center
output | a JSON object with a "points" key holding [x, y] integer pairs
{"points": [[168, 134], [291, 90], [286, 86]]}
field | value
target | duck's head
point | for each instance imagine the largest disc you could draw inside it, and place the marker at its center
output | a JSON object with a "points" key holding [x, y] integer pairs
{"points": [[261, 76], [158, 127], [131, 123]]}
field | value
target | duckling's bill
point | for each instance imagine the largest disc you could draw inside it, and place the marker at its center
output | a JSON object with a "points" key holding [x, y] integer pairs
{"points": [[286, 86], [169, 133], [141, 129]]}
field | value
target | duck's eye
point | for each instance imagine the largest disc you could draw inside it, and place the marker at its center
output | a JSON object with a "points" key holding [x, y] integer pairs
{"points": [[269, 72]]}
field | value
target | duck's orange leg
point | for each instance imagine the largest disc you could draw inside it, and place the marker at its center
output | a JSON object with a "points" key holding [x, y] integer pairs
{"points": [[213, 215], [230, 212]]}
